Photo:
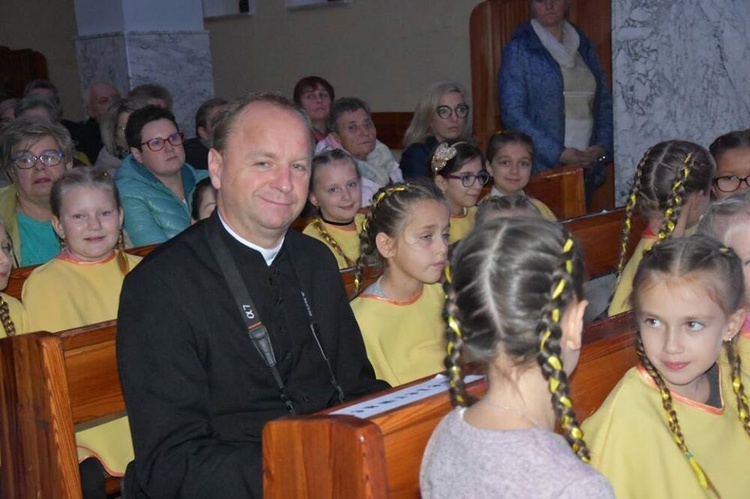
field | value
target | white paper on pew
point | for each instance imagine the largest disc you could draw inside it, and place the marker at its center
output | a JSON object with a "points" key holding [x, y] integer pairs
{"points": [[400, 398]]}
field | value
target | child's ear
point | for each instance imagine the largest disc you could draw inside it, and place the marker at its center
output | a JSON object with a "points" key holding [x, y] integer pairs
{"points": [[571, 324], [313, 199], [734, 324], [386, 245], [121, 216], [441, 182], [57, 226]]}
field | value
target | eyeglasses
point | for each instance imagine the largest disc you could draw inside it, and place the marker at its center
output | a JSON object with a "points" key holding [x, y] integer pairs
{"points": [[470, 179], [730, 183], [445, 112], [157, 143], [48, 158]]}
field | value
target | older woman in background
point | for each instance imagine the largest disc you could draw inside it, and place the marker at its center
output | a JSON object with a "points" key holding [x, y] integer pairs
{"points": [[315, 95], [442, 115], [34, 153], [112, 128], [552, 87], [352, 129], [156, 185]]}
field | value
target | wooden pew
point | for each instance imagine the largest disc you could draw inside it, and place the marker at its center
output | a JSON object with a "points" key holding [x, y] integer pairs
{"points": [[50, 383], [561, 189], [391, 127], [599, 236], [328, 455]]}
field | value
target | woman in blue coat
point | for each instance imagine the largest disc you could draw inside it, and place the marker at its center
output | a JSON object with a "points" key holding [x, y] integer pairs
{"points": [[156, 185], [552, 87]]}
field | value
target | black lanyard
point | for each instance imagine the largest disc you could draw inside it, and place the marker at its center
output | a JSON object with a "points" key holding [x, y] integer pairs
{"points": [[251, 316]]}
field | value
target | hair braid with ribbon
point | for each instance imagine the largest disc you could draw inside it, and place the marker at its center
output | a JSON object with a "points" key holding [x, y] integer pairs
{"points": [[676, 200], [454, 344], [328, 238], [549, 356], [629, 209], [8, 325]]}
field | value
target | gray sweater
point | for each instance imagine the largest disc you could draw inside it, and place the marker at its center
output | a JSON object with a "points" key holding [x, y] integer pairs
{"points": [[463, 461]]}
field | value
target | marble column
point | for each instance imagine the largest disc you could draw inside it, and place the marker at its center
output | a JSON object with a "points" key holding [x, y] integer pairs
{"points": [[117, 42], [680, 71]]}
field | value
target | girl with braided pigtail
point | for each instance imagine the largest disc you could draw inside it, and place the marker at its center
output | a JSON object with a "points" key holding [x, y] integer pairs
{"points": [[670, 191], [335, 192], [406, 231], [12, 313], [679, 421], [513, 305]]}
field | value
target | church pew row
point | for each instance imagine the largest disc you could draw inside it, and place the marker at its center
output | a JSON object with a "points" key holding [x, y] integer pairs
{"points": [[330, 455], [52, 382]]}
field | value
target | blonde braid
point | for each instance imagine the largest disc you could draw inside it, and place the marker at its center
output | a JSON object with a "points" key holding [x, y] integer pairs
{"points": [[672, 421], [737, 385], [549, 353], [327, 237], [674, 205], [7, 321], [629, 208], [122, 257], [454, 343]]}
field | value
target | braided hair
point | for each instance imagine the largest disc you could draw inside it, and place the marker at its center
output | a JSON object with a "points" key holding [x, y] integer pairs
{"points": [[388, 213], [507, 286], [724, 285], [667, 174], [5, 319]]}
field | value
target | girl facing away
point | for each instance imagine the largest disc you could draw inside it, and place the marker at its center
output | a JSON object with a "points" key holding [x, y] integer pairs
{"points": [[458, 170], [513, 206], [514, 305], [406, 230], [335, 192], [671, 191], [511, 156], [13, 319], [728, 221], [677, 425], [204, 201], [82, 285]]}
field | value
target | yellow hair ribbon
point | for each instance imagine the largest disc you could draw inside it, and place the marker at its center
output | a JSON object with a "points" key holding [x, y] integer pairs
{"points": [[697, 469], [387, 192], [553, 385], [556, 315], [554, 361], [569, 266], [454, 325], [568, 245], [447, 272], [576, 433], [558, 289], [545, 337]]}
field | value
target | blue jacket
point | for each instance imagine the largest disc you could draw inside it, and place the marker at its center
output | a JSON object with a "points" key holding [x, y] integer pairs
{"points": [[530, 93], [153, 213], [414, 159]]}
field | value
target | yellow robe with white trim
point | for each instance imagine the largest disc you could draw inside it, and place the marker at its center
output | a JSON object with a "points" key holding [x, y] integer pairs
{"points": [[348, 239], [632, 446]]}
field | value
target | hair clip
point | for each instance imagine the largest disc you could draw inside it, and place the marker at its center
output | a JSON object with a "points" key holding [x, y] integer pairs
{"points": [[444, 153], [387, 192]]}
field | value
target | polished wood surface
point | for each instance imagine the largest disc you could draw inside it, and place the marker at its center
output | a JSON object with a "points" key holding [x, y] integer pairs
{"points": [[561, 189], [19, 67], [391, 127], [341, 456], [599, 236]]}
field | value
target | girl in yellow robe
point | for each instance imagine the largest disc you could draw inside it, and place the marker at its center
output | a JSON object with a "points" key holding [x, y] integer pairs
{"points": [[399, 315], [671, 191], [336, 193], [677, 425], [13, 318], [459, 171], [82, 286]]}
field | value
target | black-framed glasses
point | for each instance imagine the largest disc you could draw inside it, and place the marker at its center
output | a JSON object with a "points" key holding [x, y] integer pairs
{"points": [[730, 183], [445, 112], [470, 179], [157, 143], [51, 157]]}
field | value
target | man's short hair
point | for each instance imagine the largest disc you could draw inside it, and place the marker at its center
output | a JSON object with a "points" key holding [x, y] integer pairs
{"points": [[142, 117], [40, 84], [345, 105], [228, 118], [152, 91]]}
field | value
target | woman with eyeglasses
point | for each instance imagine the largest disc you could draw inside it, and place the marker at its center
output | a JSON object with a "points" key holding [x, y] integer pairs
{"points": [[551, 86], [441, 115], [459, 172], [112, 129], [34, 154], [156, 185], [731, 152]]}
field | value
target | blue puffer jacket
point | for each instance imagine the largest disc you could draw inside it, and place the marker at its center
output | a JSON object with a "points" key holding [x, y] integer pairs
{"points": [[153, 213], [530, 92]]}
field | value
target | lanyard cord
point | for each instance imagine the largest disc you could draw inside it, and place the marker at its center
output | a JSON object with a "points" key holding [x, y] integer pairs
{"points": [[255, 328]]}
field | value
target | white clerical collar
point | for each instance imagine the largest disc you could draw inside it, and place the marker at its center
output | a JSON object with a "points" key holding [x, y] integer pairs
{"points": [[268, 254]]}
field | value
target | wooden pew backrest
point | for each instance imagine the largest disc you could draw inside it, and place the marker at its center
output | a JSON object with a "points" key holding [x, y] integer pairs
{"points": [[341, 456], [561, 189], [599, 236], [49, 384], [391, 127]]}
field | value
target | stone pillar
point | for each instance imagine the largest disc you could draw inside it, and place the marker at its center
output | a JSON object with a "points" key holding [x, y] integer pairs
{"points": [[680, 71], [130, 42]]}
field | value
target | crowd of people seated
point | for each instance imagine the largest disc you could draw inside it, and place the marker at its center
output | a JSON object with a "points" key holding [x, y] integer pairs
{"points": [[471, 270]]}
